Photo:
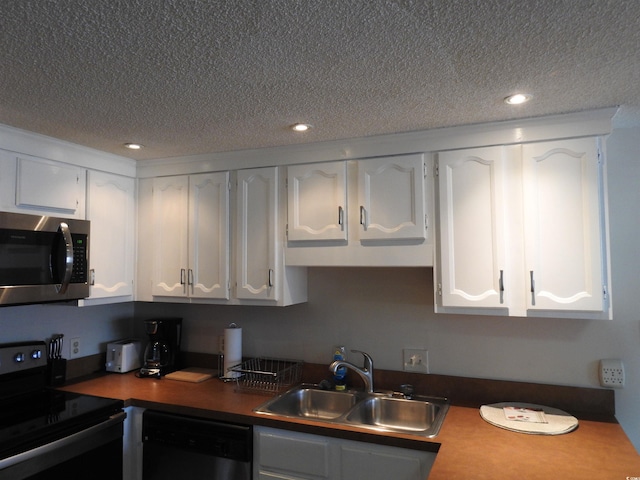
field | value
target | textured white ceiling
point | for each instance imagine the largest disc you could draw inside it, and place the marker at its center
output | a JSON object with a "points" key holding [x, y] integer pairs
{"points": [[193, 76]]}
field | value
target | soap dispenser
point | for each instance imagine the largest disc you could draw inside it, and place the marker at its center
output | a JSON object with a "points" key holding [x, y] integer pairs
{"points": [[340, 377]]}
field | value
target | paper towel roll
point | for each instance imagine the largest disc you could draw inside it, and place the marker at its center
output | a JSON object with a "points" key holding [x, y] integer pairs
{"points": [[232, 349]]}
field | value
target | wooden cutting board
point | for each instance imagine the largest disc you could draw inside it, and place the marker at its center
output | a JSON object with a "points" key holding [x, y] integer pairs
{"points": [[191, 374]]}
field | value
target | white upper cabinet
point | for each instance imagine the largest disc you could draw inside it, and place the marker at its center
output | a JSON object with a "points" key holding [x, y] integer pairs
{"points": [[191, 215], [171, 227], [39, 186], [317, 200], [563, 226], [209, 235], [207, 238], [472, 242], [370, 212], [521, 230], [260, 271], [392, 198], [257, 216], [111, 210]]}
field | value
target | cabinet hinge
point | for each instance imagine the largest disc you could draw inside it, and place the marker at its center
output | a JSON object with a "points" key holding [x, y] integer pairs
{"points": [[424, 170], [436, 170], [439, 289], [605, 292], [286, 230]]}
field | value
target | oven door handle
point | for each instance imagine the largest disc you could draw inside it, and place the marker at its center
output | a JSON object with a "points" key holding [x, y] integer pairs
{"points": [[63, 442]]}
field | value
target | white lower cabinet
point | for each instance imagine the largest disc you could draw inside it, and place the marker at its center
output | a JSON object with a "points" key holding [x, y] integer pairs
{"points": [[282, 454]]}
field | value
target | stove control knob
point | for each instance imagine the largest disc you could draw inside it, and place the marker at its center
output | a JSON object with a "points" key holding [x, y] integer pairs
{"points": [[36, 354], [18, 357]]}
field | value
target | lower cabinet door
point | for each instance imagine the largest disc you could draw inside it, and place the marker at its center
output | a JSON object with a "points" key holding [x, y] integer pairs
{"points": [[362, 460], [285, 455]]}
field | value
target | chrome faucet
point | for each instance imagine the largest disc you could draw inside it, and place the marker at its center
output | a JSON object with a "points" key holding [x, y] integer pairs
{"points": [[365, 372]]}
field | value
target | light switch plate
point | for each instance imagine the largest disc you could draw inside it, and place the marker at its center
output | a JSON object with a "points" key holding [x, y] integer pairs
{"points": [[415, 360]]}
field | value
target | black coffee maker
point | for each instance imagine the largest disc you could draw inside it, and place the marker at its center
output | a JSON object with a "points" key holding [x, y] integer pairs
{"points": [[163, 349]]}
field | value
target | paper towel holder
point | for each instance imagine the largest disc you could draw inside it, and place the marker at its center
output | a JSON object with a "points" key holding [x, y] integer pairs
{"points": [[222, 367]]}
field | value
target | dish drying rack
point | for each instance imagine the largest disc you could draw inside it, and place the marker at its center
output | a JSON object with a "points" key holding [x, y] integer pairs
{"points": [[267, 375]]}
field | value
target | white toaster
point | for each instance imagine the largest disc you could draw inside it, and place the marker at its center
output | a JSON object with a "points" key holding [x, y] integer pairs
{"points": [[124, 355]]}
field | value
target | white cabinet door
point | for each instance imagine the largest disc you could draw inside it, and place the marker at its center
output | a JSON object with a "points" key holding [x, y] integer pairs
{"points": [[380, 462], [48, 185], [171, 224], [521, 230], [317, 201], [282, 454], [208, 270], [563, 225], [38, 186], [111, 210], [471, 238], [290, 454], [257, 226], [392, 198], [192, 236]]}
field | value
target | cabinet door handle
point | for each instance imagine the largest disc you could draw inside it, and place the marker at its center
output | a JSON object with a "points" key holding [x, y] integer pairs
{"points": [[190, 277], [533, 288], [501, 283], [363, 216], [340, 216], [270, 277], [182, 274]]}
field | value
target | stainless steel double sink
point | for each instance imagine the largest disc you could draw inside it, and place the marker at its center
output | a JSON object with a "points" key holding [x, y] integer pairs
{"points": [[378, 411]]}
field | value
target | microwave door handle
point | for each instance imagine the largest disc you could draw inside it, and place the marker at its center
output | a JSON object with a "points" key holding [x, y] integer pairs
{"points": [[68, 260]]}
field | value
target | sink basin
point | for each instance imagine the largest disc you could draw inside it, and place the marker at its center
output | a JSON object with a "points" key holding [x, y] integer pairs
{"points": [[382, 412], [311, 402], [387, 413]]}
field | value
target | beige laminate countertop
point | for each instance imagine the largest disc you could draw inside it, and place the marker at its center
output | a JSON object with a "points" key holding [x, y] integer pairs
{"points": [[467, 446]]}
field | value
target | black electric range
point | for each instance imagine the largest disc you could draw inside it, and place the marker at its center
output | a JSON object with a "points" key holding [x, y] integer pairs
{"points": [[43, 430]]}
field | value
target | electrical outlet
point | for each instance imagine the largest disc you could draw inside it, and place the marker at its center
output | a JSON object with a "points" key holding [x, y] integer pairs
{"points": [[74, 347], [415, 360], [611, 373]]}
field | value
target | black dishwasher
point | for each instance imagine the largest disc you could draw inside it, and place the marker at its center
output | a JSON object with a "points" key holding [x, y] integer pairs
{"points": [[177, 446]]}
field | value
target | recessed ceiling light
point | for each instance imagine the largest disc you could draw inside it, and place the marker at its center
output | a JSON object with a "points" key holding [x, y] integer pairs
{"points": [[300, 127], [518, 98], [133, 146]]}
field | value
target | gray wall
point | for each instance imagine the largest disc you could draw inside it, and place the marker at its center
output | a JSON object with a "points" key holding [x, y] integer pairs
{"points": [[95, 326]]}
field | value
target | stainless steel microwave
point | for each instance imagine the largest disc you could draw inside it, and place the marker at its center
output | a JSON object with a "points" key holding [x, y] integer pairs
{"points": [[43, 259]]}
